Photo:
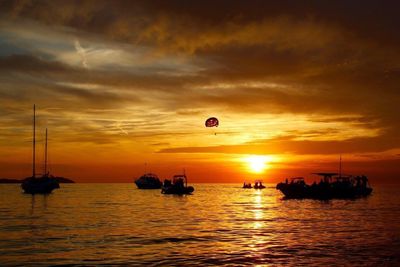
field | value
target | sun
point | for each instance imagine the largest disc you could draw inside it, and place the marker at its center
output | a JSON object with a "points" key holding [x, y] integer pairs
{"points": [[257, 164]]}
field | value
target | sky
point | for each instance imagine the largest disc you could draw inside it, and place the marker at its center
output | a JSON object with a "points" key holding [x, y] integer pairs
{"points": [[124, 87]]}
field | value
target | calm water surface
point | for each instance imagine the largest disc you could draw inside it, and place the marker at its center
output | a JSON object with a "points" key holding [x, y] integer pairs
{"points": [[112, 224]]}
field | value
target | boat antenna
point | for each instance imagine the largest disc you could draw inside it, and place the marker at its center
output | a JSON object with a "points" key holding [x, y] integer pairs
{"points": [[34, 142], [45, 156]]}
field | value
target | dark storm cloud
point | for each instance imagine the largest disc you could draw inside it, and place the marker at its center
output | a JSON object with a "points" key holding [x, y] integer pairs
{"points": [[336, 57], [373, 20]]}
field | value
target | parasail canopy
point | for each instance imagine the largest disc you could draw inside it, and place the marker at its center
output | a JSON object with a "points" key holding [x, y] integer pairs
{"points": [[212, 122]]}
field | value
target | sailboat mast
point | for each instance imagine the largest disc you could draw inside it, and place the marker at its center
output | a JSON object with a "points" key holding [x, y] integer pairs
{"points": [[340, 166], [45, 156], [34, 141]]}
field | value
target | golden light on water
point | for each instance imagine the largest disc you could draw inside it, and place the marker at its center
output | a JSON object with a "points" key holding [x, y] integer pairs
{"points": [[258, 210]]}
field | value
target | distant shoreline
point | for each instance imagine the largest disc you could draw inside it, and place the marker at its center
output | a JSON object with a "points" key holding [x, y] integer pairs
{"points": [[18, 181]]}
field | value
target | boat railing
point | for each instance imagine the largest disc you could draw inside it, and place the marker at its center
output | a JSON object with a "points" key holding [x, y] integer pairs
{"points": [[178, 177], [150, 175], [297, 178]]}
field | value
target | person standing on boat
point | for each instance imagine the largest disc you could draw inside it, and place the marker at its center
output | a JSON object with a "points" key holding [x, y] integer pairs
{"points": [[364, 180]]}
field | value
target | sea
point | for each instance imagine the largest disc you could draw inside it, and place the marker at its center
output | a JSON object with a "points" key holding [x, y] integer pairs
{"points": [[219, 224]]}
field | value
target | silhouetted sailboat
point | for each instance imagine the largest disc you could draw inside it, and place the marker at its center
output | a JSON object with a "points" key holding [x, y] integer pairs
{"points": [[44, 184]]}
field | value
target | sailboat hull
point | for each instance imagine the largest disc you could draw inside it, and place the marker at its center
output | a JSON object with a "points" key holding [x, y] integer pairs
{"points": [[42, 185]]}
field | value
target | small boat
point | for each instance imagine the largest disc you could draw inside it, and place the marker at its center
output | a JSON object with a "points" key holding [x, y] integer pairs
{"points": [[46, 183], [178, 186], [247, 185], [343, 187], [258, 185], [148, 181]]}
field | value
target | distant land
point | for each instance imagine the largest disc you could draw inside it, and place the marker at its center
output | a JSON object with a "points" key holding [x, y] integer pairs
{"points": [[17, 181]]}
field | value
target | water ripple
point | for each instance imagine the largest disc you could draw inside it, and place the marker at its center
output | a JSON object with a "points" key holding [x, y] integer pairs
{"points": [[103, 225]]}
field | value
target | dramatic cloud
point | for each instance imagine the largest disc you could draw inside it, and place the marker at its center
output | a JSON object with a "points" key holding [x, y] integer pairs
{"points": [[130, 78]]}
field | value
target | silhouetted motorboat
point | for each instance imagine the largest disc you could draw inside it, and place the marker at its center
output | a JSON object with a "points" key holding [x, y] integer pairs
{"points": [[178, 186], [46, 183], [148, 181], [342, 187], [258, 185], [247, 185]]}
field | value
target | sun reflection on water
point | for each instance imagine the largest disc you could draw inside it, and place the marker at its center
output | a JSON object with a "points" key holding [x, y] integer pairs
{"points": [[258, 210]]}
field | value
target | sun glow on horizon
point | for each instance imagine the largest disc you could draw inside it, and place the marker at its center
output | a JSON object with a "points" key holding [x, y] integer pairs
{"points": [[258, 164]]}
